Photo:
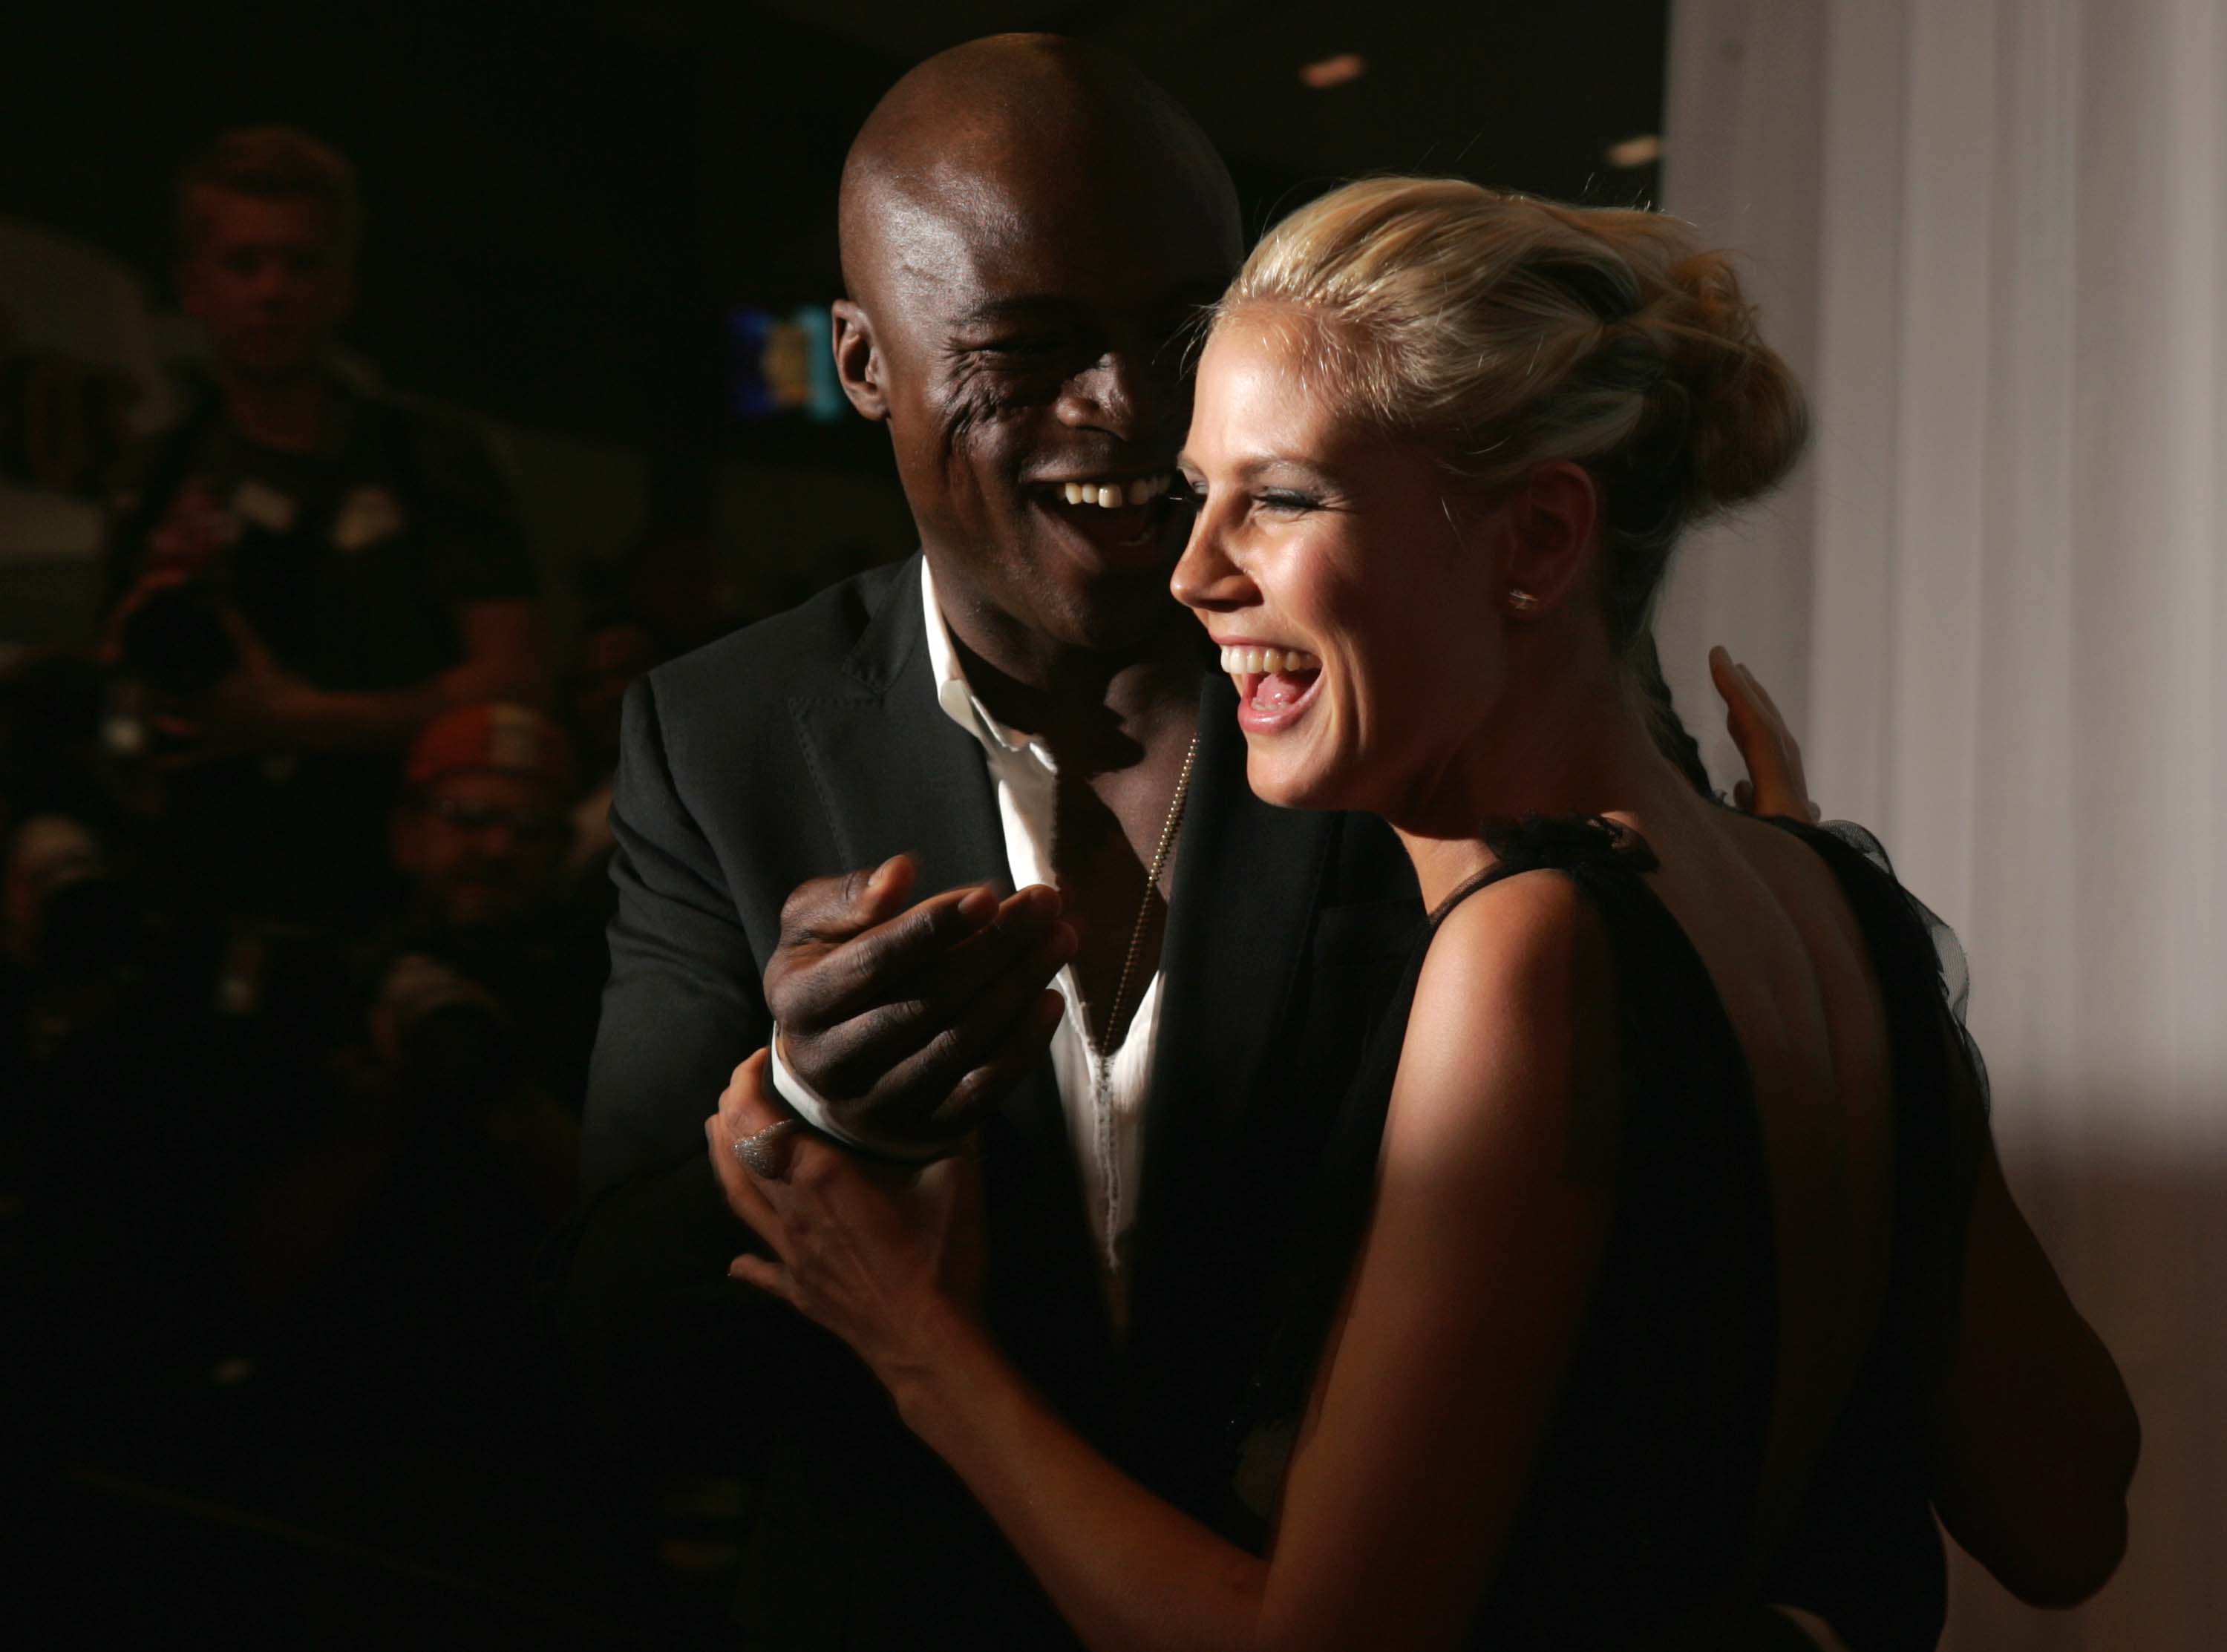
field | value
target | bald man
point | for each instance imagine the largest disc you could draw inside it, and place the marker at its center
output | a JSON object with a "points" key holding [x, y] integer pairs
{"points": [[821, 825]]}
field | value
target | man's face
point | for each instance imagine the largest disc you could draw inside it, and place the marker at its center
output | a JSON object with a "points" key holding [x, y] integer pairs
{"points": [[483, 850], [266, 279], [1026, 328]]}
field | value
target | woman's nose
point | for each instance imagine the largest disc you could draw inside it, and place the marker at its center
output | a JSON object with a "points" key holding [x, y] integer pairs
{"points": [[1206, 577]]}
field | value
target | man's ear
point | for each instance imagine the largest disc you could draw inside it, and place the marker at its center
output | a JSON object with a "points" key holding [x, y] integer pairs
{"points": [[1553, 519], [857, 362]]}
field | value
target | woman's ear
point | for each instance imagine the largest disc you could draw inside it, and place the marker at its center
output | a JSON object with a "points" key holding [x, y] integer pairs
{"points": [[1552, 521], [857, 363]]}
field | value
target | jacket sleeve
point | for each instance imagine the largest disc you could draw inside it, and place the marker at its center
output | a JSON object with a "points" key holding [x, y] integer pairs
{"points": [[659, 1344]]}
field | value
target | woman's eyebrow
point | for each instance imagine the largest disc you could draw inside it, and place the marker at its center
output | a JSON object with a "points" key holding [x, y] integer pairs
{"points": [[1253, 465]]}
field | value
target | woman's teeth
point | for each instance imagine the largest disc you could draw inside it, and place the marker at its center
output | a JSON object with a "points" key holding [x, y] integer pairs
{"points": [[1269, 662], [1112, 495]]}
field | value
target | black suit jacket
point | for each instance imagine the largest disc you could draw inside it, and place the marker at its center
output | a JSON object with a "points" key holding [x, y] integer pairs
{"points": [[814, 743]]}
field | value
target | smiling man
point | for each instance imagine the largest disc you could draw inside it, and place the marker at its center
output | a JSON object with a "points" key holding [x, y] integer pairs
{"points": [[1149, 1062]]}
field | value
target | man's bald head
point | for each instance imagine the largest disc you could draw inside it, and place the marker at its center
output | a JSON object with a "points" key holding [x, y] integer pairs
{"points": [[984, 117], [1028, 227]]}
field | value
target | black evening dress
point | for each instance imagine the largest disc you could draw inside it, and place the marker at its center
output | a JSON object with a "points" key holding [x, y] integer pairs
{"points": [[1642, 1508]]}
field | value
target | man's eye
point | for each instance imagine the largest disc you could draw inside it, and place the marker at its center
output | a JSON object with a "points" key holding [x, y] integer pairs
{"points": [[1030, 346]]}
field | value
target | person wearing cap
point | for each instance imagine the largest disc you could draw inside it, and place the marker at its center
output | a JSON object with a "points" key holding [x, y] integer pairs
{"points": [[480, 836]]}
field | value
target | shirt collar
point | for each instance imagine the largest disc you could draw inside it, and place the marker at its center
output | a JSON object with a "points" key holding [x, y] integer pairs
{"points": [[956, 696]]}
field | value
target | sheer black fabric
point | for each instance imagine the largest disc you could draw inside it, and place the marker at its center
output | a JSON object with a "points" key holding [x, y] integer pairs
{"points": [[1643, 1503]]}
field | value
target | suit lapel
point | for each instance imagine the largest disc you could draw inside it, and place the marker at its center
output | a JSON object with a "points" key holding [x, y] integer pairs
{"points": [[894, 774]]}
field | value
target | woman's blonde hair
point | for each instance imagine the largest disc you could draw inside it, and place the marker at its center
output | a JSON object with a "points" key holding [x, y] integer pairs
{"points": [[1503, 330]]}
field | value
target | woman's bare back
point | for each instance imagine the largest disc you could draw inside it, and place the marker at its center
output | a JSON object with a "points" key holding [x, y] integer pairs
{"points": [[1788, 962]]}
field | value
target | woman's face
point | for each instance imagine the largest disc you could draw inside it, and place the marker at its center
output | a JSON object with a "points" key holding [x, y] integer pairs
{"points": [[1359, 622]]}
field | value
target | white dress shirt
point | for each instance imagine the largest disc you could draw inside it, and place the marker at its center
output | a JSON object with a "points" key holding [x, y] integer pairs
{"points": [[1107, 1133]]}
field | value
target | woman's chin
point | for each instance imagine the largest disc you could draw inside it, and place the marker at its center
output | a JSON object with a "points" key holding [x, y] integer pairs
{"points": [[1287, 785]]}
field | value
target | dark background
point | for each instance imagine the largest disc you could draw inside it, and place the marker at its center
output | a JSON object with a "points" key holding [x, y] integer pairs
{"points": [[563, 198]]}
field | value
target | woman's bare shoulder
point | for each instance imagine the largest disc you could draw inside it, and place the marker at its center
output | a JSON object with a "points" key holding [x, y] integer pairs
{"points": [[1514, 988]]}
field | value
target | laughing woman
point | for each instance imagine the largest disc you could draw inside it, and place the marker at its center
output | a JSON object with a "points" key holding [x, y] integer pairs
{"points": [[1666, 1219]]}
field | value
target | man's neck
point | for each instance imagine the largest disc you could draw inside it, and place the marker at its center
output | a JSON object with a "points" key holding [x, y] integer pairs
{"points": [[289, 413], [1098, 709]]}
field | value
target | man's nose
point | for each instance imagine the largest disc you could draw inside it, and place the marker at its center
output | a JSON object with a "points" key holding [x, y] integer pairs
{"points": [[1131, 392]]}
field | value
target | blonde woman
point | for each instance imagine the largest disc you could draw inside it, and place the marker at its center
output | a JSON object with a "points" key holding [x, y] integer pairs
{"points": [[1665, 1220]]}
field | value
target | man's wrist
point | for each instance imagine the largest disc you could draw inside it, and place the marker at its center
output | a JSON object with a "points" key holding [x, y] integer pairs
{"points": [[816, 1111]]}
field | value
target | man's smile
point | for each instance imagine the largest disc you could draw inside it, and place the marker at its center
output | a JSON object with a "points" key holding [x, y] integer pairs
{"points": [[1125, 520]]}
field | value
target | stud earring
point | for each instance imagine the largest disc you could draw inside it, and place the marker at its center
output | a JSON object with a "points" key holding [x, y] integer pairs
{"points": [[1522, 601]]}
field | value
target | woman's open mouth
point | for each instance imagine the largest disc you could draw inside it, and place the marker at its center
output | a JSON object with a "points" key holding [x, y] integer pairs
{"points": [[1274, 685]]}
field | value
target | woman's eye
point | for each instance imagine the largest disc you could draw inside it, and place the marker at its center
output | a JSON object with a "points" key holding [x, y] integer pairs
{"points": [[1279, 498], [1184, 491]]}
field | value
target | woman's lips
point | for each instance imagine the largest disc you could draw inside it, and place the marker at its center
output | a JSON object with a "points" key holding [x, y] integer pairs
{"points": [[1274, 685]]}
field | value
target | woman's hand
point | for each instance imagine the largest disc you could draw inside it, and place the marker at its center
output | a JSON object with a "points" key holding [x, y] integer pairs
{"points": [[887, 1258], [1775, 784]]}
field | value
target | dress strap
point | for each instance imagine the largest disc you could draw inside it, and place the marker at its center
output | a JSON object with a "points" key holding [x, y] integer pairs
{"points": [[1565, 843]]}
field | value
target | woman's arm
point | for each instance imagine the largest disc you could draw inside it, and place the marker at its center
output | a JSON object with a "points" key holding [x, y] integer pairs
{"points": [[1463, 1309], [2035, 1437]]}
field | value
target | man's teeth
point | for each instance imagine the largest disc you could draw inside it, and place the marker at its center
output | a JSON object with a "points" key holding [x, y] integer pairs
{"points": [[1112, 495], [1266, 662]]}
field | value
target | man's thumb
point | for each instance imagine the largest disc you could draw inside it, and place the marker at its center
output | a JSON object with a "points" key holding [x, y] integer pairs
{"points": [[882, 894]]}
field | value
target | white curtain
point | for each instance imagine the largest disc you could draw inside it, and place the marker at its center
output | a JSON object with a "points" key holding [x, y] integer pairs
{"points": [[1992, 234]]}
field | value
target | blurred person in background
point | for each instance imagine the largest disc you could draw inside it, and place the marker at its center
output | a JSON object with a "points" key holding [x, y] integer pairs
{"points": [[299, 573], [388, 1251]]}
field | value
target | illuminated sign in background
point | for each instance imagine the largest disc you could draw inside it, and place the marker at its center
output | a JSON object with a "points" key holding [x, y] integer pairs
{"points": [[779, 363]]}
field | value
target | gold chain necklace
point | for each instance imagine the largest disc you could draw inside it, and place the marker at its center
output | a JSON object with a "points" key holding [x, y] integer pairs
{"points": [[1102, 1090], [1144, 919]]}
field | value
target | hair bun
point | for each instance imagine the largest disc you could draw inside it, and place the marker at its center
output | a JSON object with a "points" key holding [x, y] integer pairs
{"points": [[1746, 419]]}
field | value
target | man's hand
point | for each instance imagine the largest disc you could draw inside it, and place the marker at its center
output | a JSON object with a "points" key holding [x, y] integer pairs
{"points": [[912, 1022], [1775, 783]]}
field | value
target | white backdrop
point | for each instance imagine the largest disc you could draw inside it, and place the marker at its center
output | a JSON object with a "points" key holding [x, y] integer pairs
{"points": [[1993, 237]]}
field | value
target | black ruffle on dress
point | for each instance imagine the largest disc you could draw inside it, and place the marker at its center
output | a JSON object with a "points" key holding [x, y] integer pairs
{"points": [[1643, 1502]]}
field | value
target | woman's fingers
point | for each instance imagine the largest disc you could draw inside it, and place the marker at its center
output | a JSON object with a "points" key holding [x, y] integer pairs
{"points": [[769, 1277], [746, 1106], [1775, 783]]}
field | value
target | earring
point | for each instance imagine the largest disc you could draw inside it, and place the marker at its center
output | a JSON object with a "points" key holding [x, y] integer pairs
{"points": [[1522, 601]]}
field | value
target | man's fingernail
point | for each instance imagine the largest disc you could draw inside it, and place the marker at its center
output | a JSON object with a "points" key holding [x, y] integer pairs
{"points": [[978, 907]]}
